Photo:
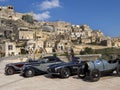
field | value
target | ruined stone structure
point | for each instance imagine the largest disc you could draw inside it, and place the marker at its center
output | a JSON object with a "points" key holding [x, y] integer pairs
{"points": [[7, 12]]}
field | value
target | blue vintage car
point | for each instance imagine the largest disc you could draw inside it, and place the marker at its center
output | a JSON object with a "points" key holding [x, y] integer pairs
{"points": [[64, 70], [94, 69], [30, 70]]}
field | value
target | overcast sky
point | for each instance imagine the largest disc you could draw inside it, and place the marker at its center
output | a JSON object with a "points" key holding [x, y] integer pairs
{"points": [[101, 15]]}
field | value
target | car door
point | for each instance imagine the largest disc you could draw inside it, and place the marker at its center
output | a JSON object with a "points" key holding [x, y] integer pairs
{"points": [[51, 61], [48, 61], [43, 64]]}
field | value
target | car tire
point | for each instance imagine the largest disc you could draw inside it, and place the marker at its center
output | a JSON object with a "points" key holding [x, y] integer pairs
{"points": [[81, 73], [118, 70], [94, 75], [10, 71], [65, 73], [29, 73]]}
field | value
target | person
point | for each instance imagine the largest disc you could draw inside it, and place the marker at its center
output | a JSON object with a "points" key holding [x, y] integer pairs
{"points": [[71, 54], [54, 52]]}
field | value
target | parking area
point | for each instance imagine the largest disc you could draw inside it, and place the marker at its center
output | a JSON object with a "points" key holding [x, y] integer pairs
{"points": [[45, 82]]}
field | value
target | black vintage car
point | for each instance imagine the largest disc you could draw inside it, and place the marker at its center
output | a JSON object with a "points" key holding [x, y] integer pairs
{"points": [[64, 70], [13, 68], [40, 67]]}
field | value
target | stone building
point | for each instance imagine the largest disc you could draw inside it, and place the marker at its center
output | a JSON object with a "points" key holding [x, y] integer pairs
{"points": [[116, 42], [60, 27], [35, 44], [85, 40], [107, 42], [7, 12], [87, 30], [97, 36], [9, 48], [25, 33], [63, 45], [50, 44]]}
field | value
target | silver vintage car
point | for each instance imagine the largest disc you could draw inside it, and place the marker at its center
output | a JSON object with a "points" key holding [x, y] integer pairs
{"points": [[94, 69]]}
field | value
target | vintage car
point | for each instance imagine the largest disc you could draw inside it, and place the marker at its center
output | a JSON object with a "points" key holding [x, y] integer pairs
{"points": [[40, 67], [64, 70], [94, 69], [13, 68]]}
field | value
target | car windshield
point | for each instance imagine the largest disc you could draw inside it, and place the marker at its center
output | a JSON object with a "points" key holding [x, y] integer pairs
{"points": [[44, 60]]}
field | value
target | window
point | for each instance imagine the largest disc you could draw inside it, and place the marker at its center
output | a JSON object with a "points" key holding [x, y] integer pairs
{"points": [[10, 47], [0, 47], [51, 60], [65, 43], [61, 47]]}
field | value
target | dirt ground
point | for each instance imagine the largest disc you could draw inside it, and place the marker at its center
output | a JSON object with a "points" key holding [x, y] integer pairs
{"points": [[46, 82]]}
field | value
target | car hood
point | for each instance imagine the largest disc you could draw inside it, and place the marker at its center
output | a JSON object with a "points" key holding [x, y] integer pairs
{"points": [[15, 63], [26, 62], [61, 64]]}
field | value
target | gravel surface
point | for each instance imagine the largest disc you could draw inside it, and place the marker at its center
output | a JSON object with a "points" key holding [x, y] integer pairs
{"points": [[46, 82]]}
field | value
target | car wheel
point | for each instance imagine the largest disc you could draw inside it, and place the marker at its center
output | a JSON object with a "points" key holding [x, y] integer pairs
{"points": [[29, 73], [10, 71], [65, 72], [118, 70], [81, 73], [94, 75]]}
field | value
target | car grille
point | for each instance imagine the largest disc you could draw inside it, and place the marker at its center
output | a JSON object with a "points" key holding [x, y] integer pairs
{"points": [[51, 70]]}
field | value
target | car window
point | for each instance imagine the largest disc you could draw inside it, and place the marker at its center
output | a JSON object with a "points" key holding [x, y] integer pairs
{"points": [[112, 61], [44, 60], [51, 59]]}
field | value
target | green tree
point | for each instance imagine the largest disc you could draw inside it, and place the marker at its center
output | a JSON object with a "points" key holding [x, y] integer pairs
{"points": [[28, 18], [87, 50]]}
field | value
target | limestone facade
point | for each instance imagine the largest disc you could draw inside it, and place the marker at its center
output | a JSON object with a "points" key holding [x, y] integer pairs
{"points": [[9, 48], [116, 42], [25, 34]]}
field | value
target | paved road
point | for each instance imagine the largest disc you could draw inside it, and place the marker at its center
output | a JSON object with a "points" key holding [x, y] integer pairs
{"points": [[45, 82]]}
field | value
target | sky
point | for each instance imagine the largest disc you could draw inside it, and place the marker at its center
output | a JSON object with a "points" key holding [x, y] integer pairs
{"points": [[101, 15]]}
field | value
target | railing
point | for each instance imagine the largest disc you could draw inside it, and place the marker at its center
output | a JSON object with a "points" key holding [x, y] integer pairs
{"points": [[82, 57]]}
